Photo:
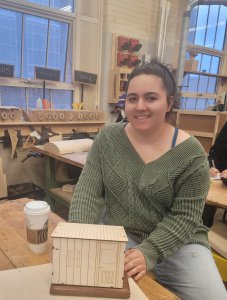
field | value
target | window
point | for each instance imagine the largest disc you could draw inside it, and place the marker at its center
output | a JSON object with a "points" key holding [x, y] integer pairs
{"points": [[12, 96], [44, 43], [28, 41], [207, 30], [10, 42], [64, 5], [34, 94], [61, 99]]}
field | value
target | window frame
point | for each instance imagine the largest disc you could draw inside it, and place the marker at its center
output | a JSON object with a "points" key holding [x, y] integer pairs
{"points": [[52, 14], [213, 52]]}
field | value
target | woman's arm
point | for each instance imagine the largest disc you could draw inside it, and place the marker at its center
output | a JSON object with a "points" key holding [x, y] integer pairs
{"points": [[184, 220], [88, 204]]}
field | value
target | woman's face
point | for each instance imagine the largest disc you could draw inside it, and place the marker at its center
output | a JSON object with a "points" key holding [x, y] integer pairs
{"points": [[146, 103]]}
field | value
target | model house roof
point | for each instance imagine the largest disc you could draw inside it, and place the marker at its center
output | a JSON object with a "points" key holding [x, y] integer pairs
{"points": [[90, 232]]}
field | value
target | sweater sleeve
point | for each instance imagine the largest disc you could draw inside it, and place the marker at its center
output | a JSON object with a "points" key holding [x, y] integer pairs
{"points": [[184, 219], [88, 203]]}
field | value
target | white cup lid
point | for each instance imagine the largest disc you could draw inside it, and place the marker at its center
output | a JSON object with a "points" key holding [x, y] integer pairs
{"points": [[36, 207]]}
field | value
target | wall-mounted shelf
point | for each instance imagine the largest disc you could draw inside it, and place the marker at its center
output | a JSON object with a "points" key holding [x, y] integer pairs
{"points": [[118, 83]]}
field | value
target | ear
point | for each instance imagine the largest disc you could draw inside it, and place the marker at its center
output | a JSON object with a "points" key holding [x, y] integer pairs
{"points": [[170, 103]]}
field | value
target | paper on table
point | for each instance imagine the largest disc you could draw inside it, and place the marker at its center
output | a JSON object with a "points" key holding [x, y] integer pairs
{"points": [[34, 283], [217, 177]]}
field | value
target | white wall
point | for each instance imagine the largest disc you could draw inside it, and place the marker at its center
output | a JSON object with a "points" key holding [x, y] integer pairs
{"points": [[137, 19]]}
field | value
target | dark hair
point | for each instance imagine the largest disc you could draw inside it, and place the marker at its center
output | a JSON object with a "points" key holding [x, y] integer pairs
{"points": [[158, 69]]}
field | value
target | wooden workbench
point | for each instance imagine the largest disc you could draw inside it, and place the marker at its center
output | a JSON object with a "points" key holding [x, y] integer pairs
{"points": [[14, 252], [217, 195], [63, 127]]}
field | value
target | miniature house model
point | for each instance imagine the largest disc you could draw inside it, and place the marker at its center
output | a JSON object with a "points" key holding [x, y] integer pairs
{"points": [[88, 255]]}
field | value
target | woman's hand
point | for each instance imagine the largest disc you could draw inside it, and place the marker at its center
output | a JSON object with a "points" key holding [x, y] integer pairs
{"points": [[135, 264], [214, 172], [224, 174]]}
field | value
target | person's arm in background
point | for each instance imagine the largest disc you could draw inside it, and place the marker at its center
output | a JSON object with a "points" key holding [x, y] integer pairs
{"points": [[218, 153], [88, 203]]}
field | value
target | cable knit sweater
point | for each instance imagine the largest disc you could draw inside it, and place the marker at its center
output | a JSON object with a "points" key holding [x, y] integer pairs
{"points": [[159, 203]]}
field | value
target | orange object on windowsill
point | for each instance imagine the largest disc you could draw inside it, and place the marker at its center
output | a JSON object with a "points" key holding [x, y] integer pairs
{"points": [[46, 104]]}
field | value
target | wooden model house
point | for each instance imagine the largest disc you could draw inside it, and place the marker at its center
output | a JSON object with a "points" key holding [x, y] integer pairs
{"points": [[88, 255]]}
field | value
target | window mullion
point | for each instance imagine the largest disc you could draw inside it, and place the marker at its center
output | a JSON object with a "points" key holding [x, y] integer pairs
{"points": [[196, 25], [215, 36], [22, 46], [206, 26], [47, 43], [67, 54]]}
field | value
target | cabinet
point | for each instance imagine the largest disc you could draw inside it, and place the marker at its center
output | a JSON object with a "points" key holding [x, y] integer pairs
{"points": [[204, 125], [118, 83]]}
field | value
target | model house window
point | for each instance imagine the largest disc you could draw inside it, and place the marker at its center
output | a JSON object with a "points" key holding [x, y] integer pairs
{"points": [[27, 41], [207, 33], [64, 5]]}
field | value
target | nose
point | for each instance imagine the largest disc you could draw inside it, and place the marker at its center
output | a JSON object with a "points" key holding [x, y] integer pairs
{"points": [[141, 104]]}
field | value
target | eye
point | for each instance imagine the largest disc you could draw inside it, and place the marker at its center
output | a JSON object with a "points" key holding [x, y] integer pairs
{"points": [[151, 98], [132, 99]]}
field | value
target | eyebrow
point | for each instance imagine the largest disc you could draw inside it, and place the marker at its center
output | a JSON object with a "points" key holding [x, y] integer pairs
{"points": [[146, 94]]}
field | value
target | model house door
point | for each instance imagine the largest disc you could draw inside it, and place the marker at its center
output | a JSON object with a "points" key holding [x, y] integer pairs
{"points": [[107, 264]]}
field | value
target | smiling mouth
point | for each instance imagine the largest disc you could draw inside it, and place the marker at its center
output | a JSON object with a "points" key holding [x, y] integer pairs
{"points": [[142, 117]]}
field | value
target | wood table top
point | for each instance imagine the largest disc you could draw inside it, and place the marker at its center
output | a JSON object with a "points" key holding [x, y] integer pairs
{"points": [[77, 159], [217, 195], [14, 251]]}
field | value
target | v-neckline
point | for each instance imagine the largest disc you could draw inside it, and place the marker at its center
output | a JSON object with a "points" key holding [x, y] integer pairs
{"points": [[136, 154]]}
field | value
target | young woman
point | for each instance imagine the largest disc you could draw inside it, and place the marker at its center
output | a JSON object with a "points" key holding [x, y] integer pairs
{"points": [[152, 179]]}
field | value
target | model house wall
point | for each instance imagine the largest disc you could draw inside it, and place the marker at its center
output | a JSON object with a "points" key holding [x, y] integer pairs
{"points": [[88, 255]]}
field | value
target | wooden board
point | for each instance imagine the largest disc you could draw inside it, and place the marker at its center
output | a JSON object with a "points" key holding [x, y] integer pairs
{"points": [[217, 195], [34, 283], [67, 196], [3, 185], [68, 146], [77, 159], [90, 291], [1, 168]]}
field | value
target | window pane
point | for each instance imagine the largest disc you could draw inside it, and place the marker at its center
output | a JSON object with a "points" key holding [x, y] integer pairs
{"points": [[193, 83], [42, 2], [183, 103], [190, 104], [199, 58], [211, 87], [202, 86], [214, 68], [205, 63], [185, 83], [220, 36], [201, 25], [34, 94], [62, 99], [64, 5], [35, 43], [211, 26], [57, 46], [210, 102], [200, 103], [13, 96], [10, 42], [192, 25]]}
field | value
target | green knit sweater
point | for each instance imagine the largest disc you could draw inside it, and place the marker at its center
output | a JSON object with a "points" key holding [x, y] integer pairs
{"points": [[160, 203]]}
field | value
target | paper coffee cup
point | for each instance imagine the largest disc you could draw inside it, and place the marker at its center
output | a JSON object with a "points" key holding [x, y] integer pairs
{"points": [[36, 216]]}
